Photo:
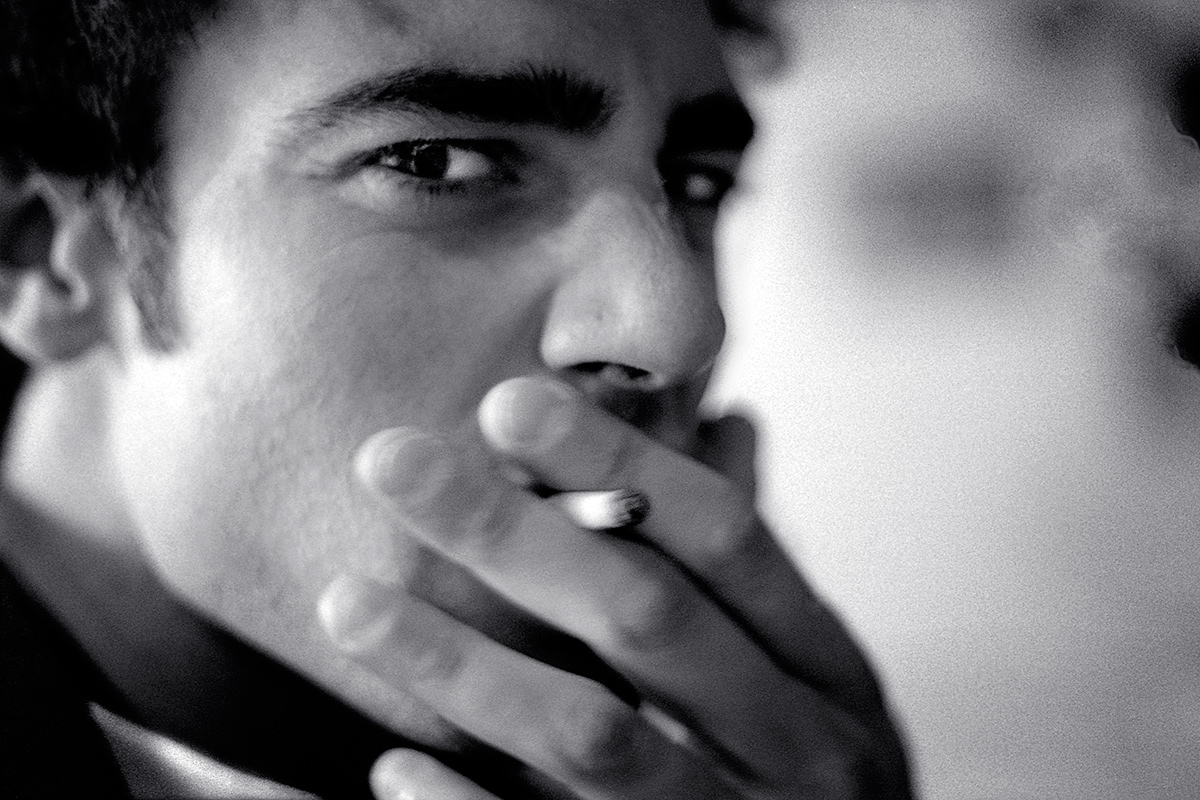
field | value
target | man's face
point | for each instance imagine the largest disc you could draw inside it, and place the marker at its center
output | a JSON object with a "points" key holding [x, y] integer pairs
{"points": [[380, 210]]}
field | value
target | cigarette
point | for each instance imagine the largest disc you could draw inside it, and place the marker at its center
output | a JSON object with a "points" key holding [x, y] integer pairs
{"points": [[604, 510]]}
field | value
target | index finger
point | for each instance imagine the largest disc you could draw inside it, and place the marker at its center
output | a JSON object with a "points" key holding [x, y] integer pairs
{"points": [[698, 517]]}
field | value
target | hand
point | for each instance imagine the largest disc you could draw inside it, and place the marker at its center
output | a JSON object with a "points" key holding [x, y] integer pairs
{"points": [[702, 613]]}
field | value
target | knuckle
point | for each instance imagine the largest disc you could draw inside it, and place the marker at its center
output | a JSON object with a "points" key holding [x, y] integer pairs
{"points": [[485, 523], [847, 775], [602, 740], [735, 534], [833, 775], [743, 555], [616, 452], [653, 612], [438, 659], [848, 769]]}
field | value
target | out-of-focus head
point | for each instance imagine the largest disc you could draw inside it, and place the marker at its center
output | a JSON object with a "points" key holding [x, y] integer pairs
{"points": [[970, 286]]}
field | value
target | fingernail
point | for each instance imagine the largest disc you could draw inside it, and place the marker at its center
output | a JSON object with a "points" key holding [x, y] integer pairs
{"points": [[389, 776], [404, 464], [528, 413], [357, 614]]}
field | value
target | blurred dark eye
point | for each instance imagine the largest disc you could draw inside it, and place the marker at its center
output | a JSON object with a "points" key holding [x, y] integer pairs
{"points": [[1185, 333], [1183, 96], [698, 185]]}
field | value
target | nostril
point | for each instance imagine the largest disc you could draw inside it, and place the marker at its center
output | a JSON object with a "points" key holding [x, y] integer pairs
{"points": [[619, 374], [1183, 96], [1185, 333]]}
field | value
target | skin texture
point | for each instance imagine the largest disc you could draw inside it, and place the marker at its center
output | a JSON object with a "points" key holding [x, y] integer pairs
{"points": [[320, 308], [339, 298]]}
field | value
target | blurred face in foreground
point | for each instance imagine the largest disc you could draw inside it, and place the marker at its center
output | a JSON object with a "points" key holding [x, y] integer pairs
{"points": [[984, 399], [380, 211]]}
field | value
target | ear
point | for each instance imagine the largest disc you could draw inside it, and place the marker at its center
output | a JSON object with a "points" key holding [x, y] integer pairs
{"points": [[56, 254]]}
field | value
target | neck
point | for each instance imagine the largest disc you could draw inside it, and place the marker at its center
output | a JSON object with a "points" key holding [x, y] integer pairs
{"points": [[56, 455], [64, 533]]}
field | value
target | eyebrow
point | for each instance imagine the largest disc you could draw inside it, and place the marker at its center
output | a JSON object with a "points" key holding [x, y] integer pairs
{"points": [[547, 97], [717, 121]]}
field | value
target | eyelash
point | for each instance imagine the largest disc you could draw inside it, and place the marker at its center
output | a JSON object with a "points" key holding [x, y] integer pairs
{"points": [[504, 156], [501, 156]]}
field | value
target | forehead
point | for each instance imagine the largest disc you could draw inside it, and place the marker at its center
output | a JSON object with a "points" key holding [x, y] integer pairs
{"points": [[261, 61], [664, 48]]}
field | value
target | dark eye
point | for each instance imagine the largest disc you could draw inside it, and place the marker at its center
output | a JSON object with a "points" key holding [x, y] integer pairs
{"points": [[1183, 96], [449, 162], [1185, 333], [697, 185]]}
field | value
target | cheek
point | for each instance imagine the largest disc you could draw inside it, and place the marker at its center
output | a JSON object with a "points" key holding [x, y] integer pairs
{"points": [[237, 447]]}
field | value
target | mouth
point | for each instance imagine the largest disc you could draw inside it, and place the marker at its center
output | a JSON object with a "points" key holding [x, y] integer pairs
{"points": [[665, 414], [668, 417]]}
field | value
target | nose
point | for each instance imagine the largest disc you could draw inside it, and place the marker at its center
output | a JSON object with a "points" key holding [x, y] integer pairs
{"points": [[635, 305]]}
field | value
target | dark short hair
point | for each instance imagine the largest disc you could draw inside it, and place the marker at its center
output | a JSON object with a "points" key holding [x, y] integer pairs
{"points": [[81, 85], [81, 82]]}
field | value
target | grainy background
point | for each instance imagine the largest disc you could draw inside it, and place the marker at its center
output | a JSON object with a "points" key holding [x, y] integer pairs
{"points": [[968, 235]]}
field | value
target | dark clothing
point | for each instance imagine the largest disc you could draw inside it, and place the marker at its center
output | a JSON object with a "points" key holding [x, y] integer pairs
{"points": [[49, 745], [245, 709], [269, 722]]}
